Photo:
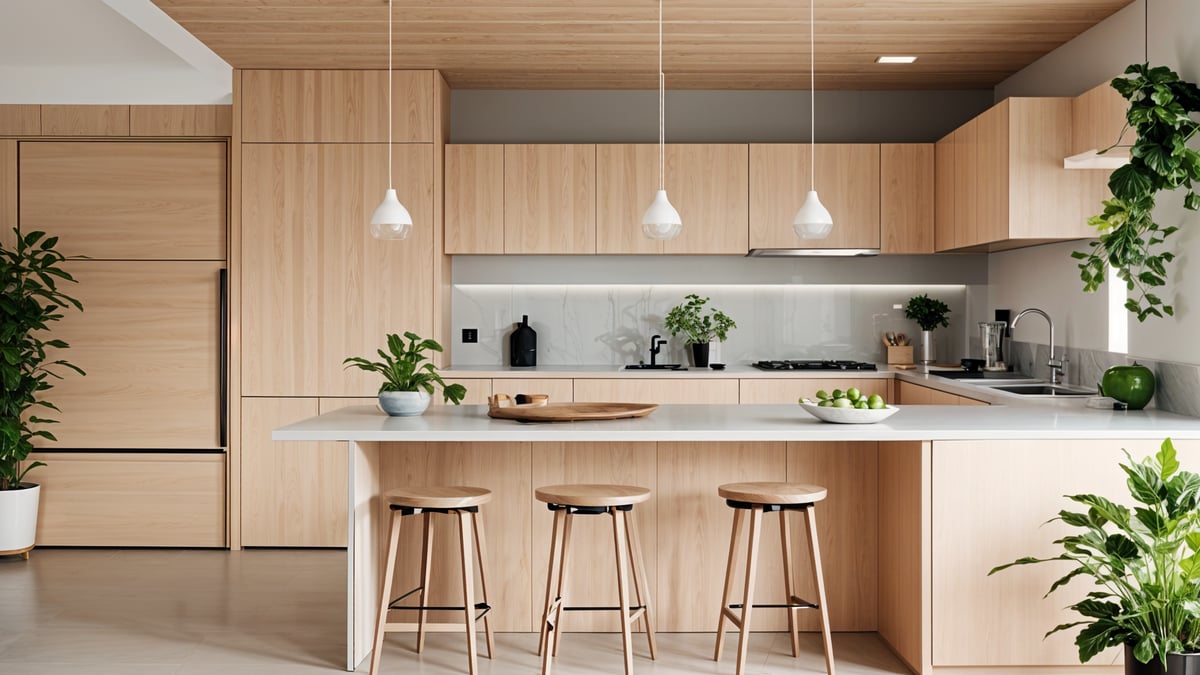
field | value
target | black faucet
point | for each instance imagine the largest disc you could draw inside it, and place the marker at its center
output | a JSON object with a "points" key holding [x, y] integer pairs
{"points": [[656, 344]]}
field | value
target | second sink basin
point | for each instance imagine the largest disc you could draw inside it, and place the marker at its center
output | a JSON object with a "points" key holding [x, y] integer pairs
{"points": [[1042, 390]]}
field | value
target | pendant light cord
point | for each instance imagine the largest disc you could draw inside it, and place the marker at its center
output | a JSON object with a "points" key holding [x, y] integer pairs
{"points": [[1146, 31], [389, 110], [662, 102], [812, 98]]}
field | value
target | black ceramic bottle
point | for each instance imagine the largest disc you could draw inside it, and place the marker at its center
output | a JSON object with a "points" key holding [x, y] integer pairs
{"points": [[522, 345]]}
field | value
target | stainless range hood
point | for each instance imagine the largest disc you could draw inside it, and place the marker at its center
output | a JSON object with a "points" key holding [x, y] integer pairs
{"points": [[810, 252]]}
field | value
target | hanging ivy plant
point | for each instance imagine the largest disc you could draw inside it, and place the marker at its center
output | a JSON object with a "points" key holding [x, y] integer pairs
{"points": [[1160, 105]]}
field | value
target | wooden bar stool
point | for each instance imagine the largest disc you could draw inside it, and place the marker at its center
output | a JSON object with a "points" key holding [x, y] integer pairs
{"points": [[464, 503], [568, 501], [760, 498]]}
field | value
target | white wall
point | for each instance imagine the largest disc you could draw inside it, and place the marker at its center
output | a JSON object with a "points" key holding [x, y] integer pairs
{"points": [[1075, 67]]}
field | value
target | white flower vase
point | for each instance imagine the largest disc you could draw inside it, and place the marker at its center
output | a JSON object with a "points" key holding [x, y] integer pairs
{"points": [[404, 403], [18, 519]]}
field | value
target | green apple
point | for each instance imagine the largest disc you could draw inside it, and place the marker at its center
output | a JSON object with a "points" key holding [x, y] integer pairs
{"points": [[1131, 385]]}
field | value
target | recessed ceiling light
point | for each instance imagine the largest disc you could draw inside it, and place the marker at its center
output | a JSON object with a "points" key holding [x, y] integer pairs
{"points": [[895, 59]]}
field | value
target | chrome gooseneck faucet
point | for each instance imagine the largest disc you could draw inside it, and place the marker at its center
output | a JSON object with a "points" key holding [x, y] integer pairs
{"points": [[1057, 369]]}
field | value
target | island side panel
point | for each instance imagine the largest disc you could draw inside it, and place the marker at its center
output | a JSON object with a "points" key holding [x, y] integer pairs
{"points": [[990, 502], [905, 572], [363, 567], [694, 528], [591, 574], [503, 468], [847, 528]]}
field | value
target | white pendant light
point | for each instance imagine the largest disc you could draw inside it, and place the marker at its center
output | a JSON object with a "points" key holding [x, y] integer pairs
{"points": [[390, 219], [813, 220], [661, 220]]}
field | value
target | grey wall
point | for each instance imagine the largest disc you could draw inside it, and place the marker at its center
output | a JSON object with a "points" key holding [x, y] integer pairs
{"points": [[1081, 64], [484, 116]]}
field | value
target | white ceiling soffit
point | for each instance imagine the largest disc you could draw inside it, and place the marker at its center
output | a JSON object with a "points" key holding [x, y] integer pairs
{"points": [[104, 51]]}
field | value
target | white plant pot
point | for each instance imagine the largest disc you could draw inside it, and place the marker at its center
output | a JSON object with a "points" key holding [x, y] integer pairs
{"points": [[404, 403], [18, 518]]}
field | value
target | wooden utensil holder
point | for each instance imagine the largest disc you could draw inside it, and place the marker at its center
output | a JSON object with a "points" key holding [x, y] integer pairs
{"points": [[899, 356]]}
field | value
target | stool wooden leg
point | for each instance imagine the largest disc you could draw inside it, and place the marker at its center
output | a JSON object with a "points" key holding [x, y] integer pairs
{"points": [[480, 548], [551, 569], [468, 581], [389, 570], [789, 587], [426, 565], [641, 582], [735, 533], [619, 541], [748, 594], [814, 549], [563, 566]]}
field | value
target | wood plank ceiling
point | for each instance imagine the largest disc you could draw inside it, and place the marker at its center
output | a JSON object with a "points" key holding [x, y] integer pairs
{"points": [[598, 44]]}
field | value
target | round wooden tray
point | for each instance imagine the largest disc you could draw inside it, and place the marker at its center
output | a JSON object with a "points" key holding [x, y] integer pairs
{"points": [[501, 406]]}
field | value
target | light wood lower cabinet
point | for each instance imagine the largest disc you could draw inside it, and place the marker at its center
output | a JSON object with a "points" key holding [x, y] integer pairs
{"points": [[559, 390], [131, 499], [780, 390], [293, 494], [908, 393], [662, 391]]}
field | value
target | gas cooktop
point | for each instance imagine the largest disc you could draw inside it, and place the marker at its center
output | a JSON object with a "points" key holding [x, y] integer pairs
{"points": [[813, 365]]}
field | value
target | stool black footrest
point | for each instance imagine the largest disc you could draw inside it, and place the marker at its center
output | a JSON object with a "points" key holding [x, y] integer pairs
{"points": [[483, 607], [794, 603], [632, 608]]}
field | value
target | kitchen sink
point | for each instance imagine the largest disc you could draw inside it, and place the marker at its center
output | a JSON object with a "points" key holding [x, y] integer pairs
{"points": [[657, 366], [978, 376], [1043, 390]]}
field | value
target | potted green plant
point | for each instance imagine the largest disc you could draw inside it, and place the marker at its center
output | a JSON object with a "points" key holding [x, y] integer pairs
{"points": [[1161, 105], [1145, 564], [929, 313], [408, 376], [30, 300], [699, 325]]}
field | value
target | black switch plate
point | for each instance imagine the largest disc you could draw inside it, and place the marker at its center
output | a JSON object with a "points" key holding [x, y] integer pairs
{"points": [[470, 336]]}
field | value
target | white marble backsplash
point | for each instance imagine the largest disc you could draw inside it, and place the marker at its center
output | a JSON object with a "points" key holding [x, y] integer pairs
{"points": [[600, 324]]}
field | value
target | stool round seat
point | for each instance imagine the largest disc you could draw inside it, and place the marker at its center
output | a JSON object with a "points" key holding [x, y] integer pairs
{"points": [[772, 493], [438, 497], [592, 495]]}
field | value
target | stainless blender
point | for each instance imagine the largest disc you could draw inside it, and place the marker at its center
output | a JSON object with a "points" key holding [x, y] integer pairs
{"points": [[991, 338]]}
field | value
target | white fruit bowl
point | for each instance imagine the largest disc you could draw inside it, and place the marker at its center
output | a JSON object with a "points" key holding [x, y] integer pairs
{"points": [[849, 415]]}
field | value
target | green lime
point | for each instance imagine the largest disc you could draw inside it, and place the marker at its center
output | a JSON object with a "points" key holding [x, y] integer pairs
{"points": [[838, 393], [827, 403], [853, 394], [842, 402], [822, 394], [861, 404], [875, 402]]}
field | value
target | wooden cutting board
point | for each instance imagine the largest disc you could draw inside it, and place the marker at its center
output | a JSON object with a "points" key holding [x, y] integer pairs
{"points": [[544, 411]]}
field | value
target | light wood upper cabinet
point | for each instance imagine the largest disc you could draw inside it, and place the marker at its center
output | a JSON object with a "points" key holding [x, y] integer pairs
{"points": [[85, 120], [125, 200], [148, 339], [180, 120], [336, 106], [945, 234], [1009, 186], [550, 199], [707, 184], [1097, 118], [847, 180], [305, 210], [474, 199], [906, 197]]}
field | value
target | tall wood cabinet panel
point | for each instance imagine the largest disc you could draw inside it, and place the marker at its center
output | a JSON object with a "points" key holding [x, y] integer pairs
{"points": [[905, 511], [474, 199], [780, 175], [293, 494], [906, 198], [20, 120], [321, 288], [180, 120], [662, 391], [149, 340], [591, 578], [707, 184], [336, 106], [131, 499], [694, 532], [123, 200], [8, 191], [85, 120], [550, 199]]}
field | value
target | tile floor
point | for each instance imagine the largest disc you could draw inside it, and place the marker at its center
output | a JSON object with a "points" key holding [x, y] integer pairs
{"points": [[280, 612]]}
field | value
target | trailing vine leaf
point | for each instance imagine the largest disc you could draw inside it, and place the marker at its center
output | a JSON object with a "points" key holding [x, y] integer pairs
{"points": [[1160, 109]]}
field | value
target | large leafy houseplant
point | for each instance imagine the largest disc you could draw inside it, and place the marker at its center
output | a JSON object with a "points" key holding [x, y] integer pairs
{"points": [[929, 313], [30, 300], [405, 367], [1160, 109], [1145, 562], [698, 323]]}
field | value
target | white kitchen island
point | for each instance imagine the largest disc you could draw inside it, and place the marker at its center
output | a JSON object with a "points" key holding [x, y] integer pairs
{"points": [[955, 488]]}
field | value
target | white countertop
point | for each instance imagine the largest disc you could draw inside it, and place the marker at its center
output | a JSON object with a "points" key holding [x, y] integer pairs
{"points": [[731, 371], [470, 423]]}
